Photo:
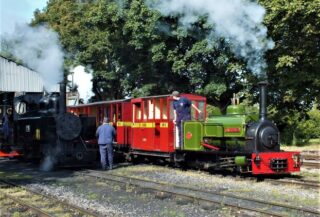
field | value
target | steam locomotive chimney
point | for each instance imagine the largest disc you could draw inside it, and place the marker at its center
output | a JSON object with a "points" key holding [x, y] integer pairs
{"points": [[62, 102], [263, 100]]}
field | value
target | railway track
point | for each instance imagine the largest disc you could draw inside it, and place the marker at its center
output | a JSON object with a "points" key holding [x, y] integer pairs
{"points": [[311, 164], [37, 203], [302, 183], [311, 159], [205, 196]]}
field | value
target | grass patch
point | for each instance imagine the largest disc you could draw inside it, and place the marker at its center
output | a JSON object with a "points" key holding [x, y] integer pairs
{"points": [[14, 175], [171, 213], [93, 196], [311, 147]]}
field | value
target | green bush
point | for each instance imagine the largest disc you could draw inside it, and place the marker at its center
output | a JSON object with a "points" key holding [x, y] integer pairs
{"points": [[308, 128]]}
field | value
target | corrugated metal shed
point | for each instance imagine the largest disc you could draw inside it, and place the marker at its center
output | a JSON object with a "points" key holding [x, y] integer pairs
{"points": [[18, 78]]}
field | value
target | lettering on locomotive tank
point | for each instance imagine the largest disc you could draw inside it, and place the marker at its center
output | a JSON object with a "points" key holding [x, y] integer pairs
{"points": [[27, 128]]}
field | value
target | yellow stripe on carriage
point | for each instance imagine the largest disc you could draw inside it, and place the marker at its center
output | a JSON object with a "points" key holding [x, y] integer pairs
{"points": [[143, 125], [163, 125], [124, 124]]}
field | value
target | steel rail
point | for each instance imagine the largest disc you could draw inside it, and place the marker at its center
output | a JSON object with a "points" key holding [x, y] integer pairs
{"points": [[55, 199], [310, 156], [311, 164], [303, 183], [238, 202], [32, 208]]}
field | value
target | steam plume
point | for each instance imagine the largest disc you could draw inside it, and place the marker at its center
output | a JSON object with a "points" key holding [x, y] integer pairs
{"points": [[84, 82], [238, 21], [39, 49]]}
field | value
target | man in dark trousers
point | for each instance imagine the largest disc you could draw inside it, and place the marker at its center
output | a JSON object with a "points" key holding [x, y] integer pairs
{"points": [[182, 112], [106, 134]]}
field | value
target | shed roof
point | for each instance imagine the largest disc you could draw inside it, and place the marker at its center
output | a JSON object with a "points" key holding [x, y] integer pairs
{"points": [[18, 78]]}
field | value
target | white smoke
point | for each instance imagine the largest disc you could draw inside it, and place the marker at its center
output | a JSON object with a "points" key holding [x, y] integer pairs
{"points": [[238, 21], [47, 164], [51, 152], [39, 48], [84, 82]]}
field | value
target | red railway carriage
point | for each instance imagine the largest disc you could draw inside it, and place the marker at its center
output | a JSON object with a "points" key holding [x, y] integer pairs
{"points": [[142, 124]]}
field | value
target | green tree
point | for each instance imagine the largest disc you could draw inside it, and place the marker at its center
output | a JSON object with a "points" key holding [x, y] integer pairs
{"points": [[134, 51], [294, 63]]}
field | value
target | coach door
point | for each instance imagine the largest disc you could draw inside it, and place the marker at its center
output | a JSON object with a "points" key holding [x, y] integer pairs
{"points": [[142, 129]]}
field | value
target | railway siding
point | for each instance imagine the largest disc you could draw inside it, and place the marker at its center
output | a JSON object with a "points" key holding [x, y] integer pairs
{"points": [[201, 196], [38, 203], [125, 199]]}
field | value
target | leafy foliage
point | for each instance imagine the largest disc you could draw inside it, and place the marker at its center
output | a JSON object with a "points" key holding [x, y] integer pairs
{"points": [[294, 63], [133, 51]]}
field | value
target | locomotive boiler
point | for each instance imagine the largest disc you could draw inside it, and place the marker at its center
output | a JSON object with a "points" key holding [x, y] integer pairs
{"points": [[45, 131]]}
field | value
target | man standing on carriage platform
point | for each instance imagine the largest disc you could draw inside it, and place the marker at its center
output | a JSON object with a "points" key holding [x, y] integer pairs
{"points": [[182, 112], [106, 134]]}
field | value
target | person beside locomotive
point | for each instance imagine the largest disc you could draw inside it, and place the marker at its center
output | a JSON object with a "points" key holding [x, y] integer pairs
{"points": [[106, 134], [182, 112]]}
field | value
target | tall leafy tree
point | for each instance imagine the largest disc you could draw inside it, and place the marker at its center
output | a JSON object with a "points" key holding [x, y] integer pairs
{"points": [[294, 63], [134, 51]]}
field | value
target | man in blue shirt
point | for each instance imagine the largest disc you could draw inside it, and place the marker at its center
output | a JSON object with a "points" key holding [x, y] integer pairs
{"points": [[106, 134], [182, 112]]}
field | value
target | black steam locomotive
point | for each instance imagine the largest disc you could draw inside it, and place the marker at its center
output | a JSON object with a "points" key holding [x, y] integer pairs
{"points": [[45, 131]]}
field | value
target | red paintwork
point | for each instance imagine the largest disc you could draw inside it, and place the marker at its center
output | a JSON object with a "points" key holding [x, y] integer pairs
{"points": [[11, 154], [264, 167], [152, 117], [232, 130], [210, 146]]}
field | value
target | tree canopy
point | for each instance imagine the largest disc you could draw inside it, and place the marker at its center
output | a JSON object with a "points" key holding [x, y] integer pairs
{"points": [[133, 50]]}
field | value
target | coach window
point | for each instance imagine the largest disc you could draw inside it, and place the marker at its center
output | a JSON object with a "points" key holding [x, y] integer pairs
{"points": [[114, 113], [164, 110], [119, 111], [136, 111], [150, 110], [145, 110], [157, 109], [171, 110]]}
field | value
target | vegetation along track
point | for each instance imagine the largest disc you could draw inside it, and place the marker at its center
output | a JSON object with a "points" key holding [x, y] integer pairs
{"points": [[303, 183], [38, 203], [204, 196]]}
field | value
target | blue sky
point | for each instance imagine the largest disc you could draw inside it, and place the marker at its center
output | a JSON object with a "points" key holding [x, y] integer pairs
{"points": [[14, 12]]}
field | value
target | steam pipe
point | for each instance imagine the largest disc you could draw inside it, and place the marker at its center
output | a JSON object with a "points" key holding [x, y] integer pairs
{"points": [[62, 102], [263, 100]]}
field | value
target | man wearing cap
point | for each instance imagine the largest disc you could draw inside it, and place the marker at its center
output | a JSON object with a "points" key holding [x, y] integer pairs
{"points": [[106, 134], [182, 112]]}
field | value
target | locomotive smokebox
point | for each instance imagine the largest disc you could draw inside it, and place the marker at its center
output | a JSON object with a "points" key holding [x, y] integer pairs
{"points": [[263, 100], [62, 102]]}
